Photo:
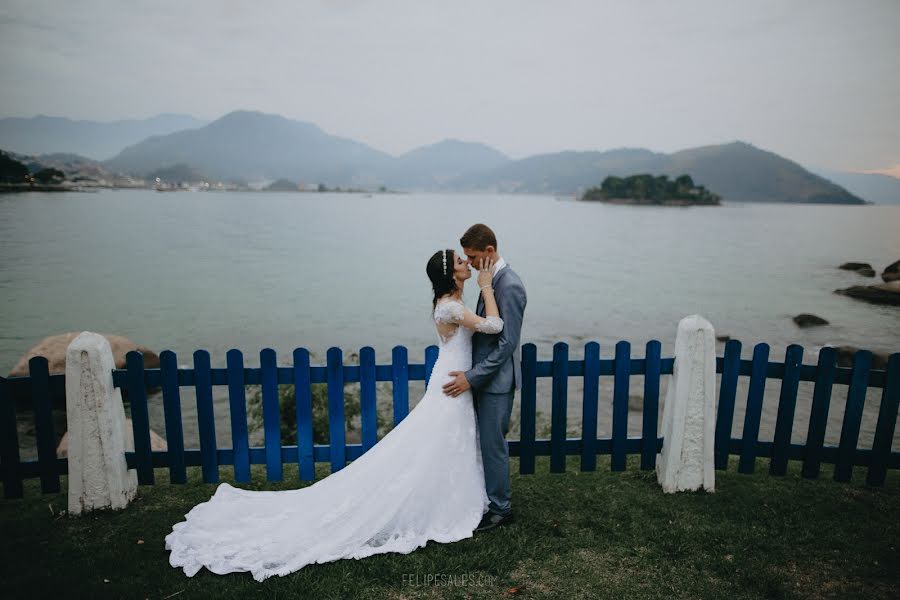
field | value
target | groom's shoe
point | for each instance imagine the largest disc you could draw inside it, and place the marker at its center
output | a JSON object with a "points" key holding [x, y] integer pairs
{"points": [[492, 520]]}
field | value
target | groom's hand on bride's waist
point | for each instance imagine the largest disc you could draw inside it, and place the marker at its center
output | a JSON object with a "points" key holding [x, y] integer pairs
{"points": [[459, 384]]}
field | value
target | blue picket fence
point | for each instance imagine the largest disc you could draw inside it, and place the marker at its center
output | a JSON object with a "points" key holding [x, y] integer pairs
{"points": [[41, 390]]}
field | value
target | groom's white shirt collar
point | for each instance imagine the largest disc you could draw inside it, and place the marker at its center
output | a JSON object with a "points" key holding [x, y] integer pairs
{"points": [[500, 264]]}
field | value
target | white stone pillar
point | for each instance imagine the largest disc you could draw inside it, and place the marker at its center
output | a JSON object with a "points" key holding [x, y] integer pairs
{"points": [[689, 414], [98, 475]]}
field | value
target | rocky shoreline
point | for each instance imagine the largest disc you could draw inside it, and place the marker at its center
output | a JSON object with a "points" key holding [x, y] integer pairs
{"points": [[887, 293], [883, 293]]}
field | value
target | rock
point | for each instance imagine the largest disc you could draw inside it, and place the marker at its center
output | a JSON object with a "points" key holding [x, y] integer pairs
{"points": [[891, 272], [855, 266], [864, 269], [883, 293], [808, 320], [156, 441], [54, 349], [845, 357]]}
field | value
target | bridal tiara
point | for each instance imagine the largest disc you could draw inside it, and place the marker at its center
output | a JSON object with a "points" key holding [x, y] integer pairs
{"points": [[444, 260]]}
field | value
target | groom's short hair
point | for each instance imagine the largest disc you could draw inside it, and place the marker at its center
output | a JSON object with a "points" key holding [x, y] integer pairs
{"points": [[478, 237]]}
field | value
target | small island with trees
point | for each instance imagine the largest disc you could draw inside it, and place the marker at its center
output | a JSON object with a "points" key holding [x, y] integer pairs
{"points": [[647, 189]]}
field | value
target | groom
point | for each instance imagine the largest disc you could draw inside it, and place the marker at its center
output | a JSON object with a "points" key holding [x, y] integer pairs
{"points": [[495, 374]]}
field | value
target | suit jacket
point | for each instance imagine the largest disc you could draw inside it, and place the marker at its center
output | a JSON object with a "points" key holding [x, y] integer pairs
{"points": [[497, 359]]}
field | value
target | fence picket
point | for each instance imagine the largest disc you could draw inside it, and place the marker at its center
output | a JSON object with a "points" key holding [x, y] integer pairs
{"points": [[755, 395], [856, 398], [818, 416], [206, 423], [140, 417], [168, 365], [9, 444], [650, 408], [368, 397], [787, 402], [559, 402], [590, 399], [431, 356], [303, 398], [400, 379], [731, 368], [620, 405], [528, 409], [39, 372], [336, 436], [237, 404], [271, 405], [887, 418]]}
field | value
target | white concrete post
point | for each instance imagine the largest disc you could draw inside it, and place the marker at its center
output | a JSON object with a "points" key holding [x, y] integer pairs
{"points": [[689, 414], [98, 475]]}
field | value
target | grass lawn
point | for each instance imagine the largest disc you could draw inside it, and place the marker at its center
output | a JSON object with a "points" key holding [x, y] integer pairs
{"points": [[577, 535]]}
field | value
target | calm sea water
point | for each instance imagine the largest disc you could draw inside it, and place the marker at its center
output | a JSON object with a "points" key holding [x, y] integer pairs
{"points": [[184, 271]]}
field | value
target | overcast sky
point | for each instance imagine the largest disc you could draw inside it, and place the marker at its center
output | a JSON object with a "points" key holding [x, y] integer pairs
{"points": [[815, 81]]}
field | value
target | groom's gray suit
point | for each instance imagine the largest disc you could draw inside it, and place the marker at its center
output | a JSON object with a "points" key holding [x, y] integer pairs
{"points": [[495, 376]]}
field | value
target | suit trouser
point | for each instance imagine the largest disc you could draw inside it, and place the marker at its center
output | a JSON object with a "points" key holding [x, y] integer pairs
{"points": [[494, 411]]}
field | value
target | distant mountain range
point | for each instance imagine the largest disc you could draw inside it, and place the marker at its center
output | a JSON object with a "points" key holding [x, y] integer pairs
{"points": [[436, 165], [92, 139], [880, 189], [739, 172], [251, 146]]}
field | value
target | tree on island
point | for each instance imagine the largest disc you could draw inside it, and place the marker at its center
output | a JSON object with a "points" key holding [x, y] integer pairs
{"points": [[11, 170], [647, 189]]}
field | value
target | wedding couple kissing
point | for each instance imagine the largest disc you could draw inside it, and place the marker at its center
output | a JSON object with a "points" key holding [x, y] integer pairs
{"points": [[440, 475]]}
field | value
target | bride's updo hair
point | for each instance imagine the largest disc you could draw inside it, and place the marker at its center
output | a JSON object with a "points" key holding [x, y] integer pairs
{"points": [[441, 284]]}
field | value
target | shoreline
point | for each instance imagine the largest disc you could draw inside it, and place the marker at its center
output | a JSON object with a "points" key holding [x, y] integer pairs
{"points": [[14, 188], [642, 202]]}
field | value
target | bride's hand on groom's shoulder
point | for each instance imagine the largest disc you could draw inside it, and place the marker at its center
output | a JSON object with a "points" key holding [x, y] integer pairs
{"points": [[485, 272]]}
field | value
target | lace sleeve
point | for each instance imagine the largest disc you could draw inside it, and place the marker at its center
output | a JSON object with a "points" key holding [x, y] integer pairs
{"points": [[449, 312], [491, 325]]}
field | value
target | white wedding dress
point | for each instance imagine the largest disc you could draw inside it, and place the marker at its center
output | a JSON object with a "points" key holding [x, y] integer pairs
{"points": [[423, 481]]}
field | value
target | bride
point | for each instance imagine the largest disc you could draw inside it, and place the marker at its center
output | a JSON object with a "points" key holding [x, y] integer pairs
{"points": [[423, 481]]}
